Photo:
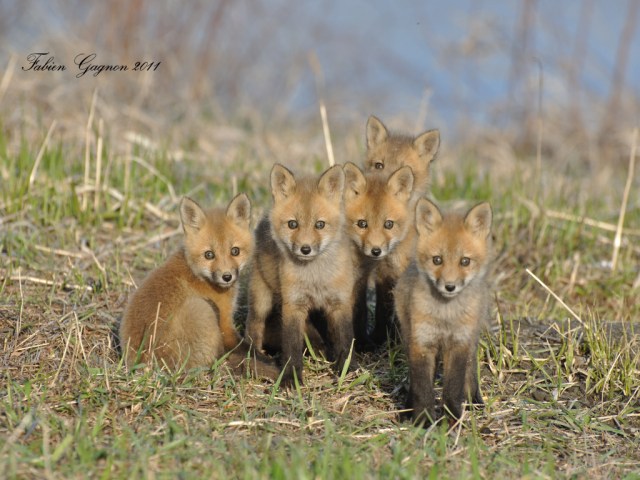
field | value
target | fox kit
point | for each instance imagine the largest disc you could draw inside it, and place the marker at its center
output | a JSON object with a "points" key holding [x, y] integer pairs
{"points": [[182, 313], [386, 152], [378, 219], [303, 266], [442, 301]]}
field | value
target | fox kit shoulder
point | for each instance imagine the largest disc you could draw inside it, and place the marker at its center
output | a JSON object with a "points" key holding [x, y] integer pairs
{"points": [[442, 301], [387, 151], [302, 264], [182, 313]]}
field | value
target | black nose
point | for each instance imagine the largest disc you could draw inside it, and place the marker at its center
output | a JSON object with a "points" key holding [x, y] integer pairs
{"points": [[450, 287], [376, 251], [305, 249], [227, 277]]}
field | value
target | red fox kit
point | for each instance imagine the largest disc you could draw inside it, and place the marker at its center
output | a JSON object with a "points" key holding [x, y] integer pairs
{"points": [[182, 313], [386, 152], [378, 219], [443, 301], [303, 265]]}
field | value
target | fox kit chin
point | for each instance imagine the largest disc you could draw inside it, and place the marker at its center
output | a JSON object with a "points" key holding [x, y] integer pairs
{"points": [[378, 219], [182, 313], [302, 266], [386, 153], [443, 301]]}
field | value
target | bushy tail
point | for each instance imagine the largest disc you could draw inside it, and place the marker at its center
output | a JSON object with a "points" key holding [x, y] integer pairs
{"points": [[243, 360]]}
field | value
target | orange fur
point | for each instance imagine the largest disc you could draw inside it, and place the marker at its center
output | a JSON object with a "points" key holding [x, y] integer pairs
{"points": [[302, 265], [386, 153], [182, 313], [442, 301], [378, 220]]}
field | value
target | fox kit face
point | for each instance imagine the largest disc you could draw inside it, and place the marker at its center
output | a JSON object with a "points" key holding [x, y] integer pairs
{"points": [[377, 209], [307, 214], [388, 152], [217, 243], [452, 250]]}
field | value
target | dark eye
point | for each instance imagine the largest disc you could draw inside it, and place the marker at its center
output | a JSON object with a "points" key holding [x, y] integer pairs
{"points": [[388, 224], [293, 224], [235, 251], [319, 224], [362, 223], [379, 166], [209, 255], [465, 261], [437, 260]]}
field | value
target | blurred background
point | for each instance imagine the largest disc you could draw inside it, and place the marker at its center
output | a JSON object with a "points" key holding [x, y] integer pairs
{"points": [[478, 70]]}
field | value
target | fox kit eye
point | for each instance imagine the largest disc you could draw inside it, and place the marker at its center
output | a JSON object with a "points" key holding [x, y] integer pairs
{"points": [[388, 224], [235, 251], [437, 260], [362, 224], [379, 165], [209, 255], [292, 224], [319, 224], [465, 261]]}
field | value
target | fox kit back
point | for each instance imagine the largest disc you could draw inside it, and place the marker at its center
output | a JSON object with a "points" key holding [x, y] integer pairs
{"points": [[442, 301], [378, 219], [386, 153], [182, 313], [302, 265]]}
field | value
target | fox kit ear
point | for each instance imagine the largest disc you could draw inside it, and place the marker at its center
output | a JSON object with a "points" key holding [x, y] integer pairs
{"points": [[376, 132], [355, 183], [478, 220], [401, 183], [239, 210], [331, 183], [283, 184], [427, 144], [428, 217], [191, 215]]}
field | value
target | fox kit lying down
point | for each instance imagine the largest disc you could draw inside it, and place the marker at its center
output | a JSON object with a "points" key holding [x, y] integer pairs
{"points": [[303, 266], [386, 153], [378, 219], [442, 301], [182, 313]]}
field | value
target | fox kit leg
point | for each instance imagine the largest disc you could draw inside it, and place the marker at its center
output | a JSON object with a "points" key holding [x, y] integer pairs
{"points": [[472, 381], [294, 318], [361, 316], [422, 369], [260, 306], [384, 312], [340, 333], [455, 364]]}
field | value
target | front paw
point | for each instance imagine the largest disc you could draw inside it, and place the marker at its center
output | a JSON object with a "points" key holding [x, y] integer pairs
{"points": [[289, 379]]}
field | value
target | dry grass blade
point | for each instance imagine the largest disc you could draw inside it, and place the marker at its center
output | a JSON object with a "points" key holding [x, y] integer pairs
{"points": [[553, 294], [43, 147], [625, 198]]}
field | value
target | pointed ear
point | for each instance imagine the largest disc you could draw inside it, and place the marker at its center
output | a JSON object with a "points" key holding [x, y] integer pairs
{"points": [[401, 183], [283, 184], [427, 145], [354, 181], [331, 183], [239, 210], [428, 217], [191, 215], [376, 132], [478, 220]]}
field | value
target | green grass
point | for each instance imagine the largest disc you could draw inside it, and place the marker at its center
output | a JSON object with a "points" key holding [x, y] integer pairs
{"points": [[561, 398]]}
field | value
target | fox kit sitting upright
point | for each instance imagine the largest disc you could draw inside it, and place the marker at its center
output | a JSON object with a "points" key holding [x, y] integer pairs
{"points": [[386, 153], [182, 313], [302, 266], [378, 219], [443, 301]]}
